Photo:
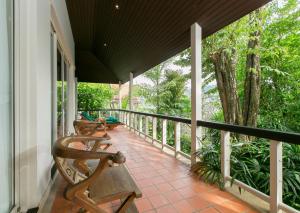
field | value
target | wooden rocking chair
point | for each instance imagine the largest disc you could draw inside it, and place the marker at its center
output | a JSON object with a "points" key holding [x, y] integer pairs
{"points": [[109, 181], [89, 128]]}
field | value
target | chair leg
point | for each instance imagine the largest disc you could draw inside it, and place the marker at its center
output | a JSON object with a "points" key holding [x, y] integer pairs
{"points": [[88, 204], [126, 204]]}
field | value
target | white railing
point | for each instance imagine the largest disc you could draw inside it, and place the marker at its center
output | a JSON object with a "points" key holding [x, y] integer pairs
{"points": [[139, 123]]}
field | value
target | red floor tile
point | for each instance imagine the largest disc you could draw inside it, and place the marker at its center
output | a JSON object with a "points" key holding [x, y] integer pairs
{"points": [[183, 207], [143, 205], [158, 201], [198, 202], [164, 187], [173, 196], [166, 209]]}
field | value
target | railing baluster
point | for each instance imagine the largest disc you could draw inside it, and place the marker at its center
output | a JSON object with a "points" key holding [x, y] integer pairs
{"points": [[225, 156], [140, 124], [154, 129], [130, 120], [136, 121], [146, 126], [177, 138], [275, 175], [164, 133]]}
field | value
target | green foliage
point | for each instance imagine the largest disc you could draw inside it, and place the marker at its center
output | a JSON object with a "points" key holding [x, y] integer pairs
{"points": [[279, 102], [185, 142], [94, 96], [124, 102], [250, 163]]}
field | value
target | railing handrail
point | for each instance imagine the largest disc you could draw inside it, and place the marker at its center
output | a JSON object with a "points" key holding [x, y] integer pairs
{"points": [[289, 137]]}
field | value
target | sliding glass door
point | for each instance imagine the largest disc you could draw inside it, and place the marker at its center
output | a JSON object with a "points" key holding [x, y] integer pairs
{"points": [[61, 94], [6, 106]]}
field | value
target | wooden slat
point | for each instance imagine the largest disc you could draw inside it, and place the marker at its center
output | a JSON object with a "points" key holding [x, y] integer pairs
{"points": [[114, 182]]}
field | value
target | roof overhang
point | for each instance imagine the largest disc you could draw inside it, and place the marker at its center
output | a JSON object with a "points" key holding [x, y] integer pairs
{"points": [[110, 43]]}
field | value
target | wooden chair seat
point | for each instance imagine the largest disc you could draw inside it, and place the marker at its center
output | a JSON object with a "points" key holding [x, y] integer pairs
{"points": [[113, 182]]}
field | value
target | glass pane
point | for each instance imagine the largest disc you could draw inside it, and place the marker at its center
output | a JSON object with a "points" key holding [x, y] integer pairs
{"points": [[6, 150], [59, 97], [65, 97]]}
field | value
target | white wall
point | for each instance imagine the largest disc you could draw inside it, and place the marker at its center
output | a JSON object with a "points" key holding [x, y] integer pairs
{"points": [[33, 94]]}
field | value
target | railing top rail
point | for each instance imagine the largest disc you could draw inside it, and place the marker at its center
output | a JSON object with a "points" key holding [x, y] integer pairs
{"points": [[293, 138]]}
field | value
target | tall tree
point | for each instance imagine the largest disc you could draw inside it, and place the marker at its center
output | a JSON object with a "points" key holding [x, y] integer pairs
{"points": [[151, 89], [253, 71]]}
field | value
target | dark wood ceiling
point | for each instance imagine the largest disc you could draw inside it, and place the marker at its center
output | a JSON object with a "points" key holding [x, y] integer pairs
{"points": [[110, 43]]}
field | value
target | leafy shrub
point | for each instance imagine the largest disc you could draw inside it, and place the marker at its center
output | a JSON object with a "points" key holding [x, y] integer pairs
{"points": [[250, 163]]}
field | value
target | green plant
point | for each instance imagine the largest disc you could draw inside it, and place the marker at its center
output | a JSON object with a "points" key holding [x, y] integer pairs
{"points": [[250, 163]]}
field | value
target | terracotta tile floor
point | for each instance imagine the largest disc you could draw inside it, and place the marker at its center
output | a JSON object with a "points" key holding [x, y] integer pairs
{"points": [[166, 183]]}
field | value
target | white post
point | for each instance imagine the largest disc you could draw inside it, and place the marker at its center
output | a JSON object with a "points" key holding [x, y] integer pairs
{"points": [[136, 122], [76, 97], [196, 86], [126, 119], [177, 130], [120, 101], [119, 95], [129, 120], [146, 126], [164, 133], [225, 155], [132, 121], [154, 129], [130, 98], [71, 101], [140, 124], [275, 175]]}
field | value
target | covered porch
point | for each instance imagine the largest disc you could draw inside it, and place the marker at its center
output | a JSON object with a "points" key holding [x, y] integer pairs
{"points": [[167, 184], [112, 42]]}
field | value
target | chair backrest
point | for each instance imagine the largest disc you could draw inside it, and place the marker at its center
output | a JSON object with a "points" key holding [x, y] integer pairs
{"points": [[64, 164], [87, 116], [84, 127]]}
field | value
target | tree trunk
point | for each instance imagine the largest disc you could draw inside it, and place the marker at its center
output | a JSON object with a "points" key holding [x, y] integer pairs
{"points": [[224, 61], [253, 73]]}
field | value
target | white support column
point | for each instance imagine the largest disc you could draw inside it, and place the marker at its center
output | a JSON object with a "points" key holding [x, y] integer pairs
{"points": [[177, 130], [154, 129], [164, 133], [120, 97], [146, 126], [196, 86], [275, 175], [225, 155], [76, 97], [120, 101], [71, 101], [130, 98]]}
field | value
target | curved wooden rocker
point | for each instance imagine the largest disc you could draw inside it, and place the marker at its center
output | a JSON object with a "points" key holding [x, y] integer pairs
{"points": [[109, 180]]}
